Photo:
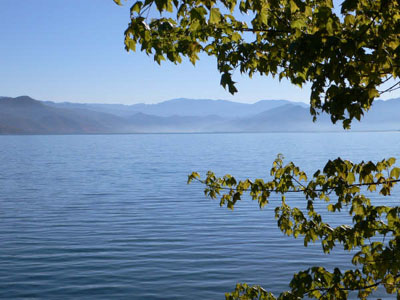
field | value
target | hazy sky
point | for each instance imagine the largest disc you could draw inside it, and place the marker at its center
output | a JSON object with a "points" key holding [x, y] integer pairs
{"points": [[72, 50]]}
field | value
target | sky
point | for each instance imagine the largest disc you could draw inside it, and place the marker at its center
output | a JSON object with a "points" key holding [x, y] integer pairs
{"points": [[73, 50]]}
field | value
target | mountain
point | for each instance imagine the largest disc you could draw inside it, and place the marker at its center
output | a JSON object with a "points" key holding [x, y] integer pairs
{"points": [[383, 115], [288, 117], [120, 110], [183, 107], [150, 123], [24, 115], [205, 107], [28, 116]]}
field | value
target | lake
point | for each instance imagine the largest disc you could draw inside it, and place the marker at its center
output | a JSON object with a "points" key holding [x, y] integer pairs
{"points": [[111, 216]]}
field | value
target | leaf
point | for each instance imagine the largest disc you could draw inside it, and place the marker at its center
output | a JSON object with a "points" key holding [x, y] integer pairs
{"points": [[329, 26], [293, 6], [391, 161], [264, 16], [236, 37], [195, 25], [303, 176], [193, 176], [349, 20], [215, 16], [372, 93], [350, 178], [395, 173], [226, 80], [298, 24], [136, 7]]}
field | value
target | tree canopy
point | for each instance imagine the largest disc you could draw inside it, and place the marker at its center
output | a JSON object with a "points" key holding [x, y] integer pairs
{"points": [[347, 54]]}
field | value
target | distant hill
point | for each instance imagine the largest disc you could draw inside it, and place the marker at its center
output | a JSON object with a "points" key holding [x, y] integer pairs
{"points": [[24, 115], [382, 116], [150, 123], [28, 116], [288, 117], [183, 107]]}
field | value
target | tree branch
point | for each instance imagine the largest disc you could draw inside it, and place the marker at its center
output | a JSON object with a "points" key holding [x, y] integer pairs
{"points": [[306, 188]]}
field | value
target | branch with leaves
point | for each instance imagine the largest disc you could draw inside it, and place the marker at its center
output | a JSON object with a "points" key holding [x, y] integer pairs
{"points": [[345, 56], [341, 184]]}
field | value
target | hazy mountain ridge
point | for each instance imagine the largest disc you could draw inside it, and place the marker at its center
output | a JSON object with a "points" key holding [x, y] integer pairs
{"points": [[24, 115], [183, 107]]}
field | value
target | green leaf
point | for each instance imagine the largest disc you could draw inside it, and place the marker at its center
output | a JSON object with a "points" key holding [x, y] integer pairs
{"points": [[391, 161], [395, 173], [136, 7], [329, 26], [349, 20], [293, 6], [350, 178], [298, 24], [215, 16], [372, 93], [236, 37], [226, 80]]}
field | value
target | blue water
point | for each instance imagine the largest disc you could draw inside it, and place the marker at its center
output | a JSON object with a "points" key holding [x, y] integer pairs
{"points": [[111, 216]]}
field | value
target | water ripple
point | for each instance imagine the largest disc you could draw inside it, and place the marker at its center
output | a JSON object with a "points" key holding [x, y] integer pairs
{"points": [[120, 222]]}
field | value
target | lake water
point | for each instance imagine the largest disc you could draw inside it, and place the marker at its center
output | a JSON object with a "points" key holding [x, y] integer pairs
{"points": [[111, 216]]}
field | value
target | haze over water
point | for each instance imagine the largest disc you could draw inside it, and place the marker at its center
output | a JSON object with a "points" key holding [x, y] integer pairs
{"points": [[111, 216]]}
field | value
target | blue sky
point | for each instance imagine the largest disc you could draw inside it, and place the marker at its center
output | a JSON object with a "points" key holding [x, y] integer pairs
{"points": [[72, 50]]}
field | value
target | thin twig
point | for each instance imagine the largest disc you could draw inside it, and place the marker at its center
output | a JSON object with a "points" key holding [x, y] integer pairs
{"points": [[392, 88]]}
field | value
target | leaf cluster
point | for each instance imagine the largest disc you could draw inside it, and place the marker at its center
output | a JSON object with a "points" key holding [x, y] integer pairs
{"points": [[342, 185], [345, 56]]}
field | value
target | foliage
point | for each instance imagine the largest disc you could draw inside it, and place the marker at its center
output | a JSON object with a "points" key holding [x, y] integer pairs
{"points": [[346, 55], [342, 184]]}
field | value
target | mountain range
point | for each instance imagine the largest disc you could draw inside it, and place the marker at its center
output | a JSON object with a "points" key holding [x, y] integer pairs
{"points": [[182, 107], [24, 115]]}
